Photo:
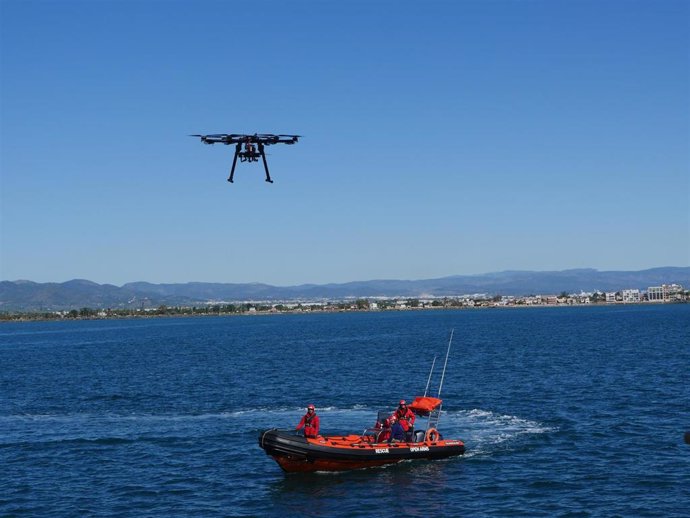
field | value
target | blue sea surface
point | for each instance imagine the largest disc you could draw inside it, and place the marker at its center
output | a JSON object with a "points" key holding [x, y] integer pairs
{"points": [[565, 412]]}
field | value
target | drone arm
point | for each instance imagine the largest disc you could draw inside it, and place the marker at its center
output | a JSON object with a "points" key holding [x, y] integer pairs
{"points": [[263, 156], [238, 147]]}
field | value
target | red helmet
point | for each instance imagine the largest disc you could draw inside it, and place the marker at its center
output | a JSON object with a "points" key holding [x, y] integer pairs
{"points": [[311, 407], [402, 402]]}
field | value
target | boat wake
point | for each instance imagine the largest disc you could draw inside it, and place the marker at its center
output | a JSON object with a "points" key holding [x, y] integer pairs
{"points": [[481, 430]]}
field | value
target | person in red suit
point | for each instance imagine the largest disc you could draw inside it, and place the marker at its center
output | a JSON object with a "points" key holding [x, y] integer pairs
{"points": [[310, 422], [385, 432], [405, 417]]}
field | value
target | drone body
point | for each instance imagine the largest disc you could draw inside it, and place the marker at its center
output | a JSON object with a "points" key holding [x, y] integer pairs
{"points": [[253, 146]]}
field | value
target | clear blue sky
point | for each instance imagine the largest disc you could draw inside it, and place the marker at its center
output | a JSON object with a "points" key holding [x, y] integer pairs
{"points": [[440, 138]]}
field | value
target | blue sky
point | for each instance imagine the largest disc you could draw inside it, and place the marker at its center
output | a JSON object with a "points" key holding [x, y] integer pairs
{"points": [[440, 138]]}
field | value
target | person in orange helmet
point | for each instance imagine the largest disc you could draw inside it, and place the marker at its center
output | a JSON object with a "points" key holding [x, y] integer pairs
{"points": [[406, 418], [310, 422]]}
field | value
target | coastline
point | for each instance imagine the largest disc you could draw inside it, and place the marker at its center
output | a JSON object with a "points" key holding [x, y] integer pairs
{"points": [[304, 309]]}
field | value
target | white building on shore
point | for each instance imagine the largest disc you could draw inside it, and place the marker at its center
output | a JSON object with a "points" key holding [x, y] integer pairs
{"points": [[631, 296], [664, 293]]}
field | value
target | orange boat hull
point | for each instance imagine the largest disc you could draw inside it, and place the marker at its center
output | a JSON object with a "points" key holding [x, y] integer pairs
{"points": [[297, 454]]}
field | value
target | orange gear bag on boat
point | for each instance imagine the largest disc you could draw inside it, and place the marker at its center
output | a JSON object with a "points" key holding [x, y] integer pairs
{"points": [[424, 405]]}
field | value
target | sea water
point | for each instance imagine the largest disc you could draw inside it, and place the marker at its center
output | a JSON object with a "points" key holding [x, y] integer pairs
{"points": [[565, 412]]}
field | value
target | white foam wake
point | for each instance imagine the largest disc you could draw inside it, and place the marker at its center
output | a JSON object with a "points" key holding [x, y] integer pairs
{"points": [[480, 429]]}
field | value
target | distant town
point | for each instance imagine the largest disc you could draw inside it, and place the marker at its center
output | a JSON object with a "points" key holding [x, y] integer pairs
{"points": [[664, 294]]}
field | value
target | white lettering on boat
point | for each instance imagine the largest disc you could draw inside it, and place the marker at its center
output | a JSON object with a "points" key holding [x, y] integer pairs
{"points": [[381, 450], [419, 448]]}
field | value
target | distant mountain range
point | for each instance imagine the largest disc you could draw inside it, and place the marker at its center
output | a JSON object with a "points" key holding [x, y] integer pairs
{"points": [[28, 296]]}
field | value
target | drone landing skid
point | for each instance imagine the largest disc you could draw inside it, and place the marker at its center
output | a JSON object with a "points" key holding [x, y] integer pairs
{"points": [[249, 156]]}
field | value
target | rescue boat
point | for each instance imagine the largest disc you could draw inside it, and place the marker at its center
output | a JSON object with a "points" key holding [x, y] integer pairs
{"points": [[295, 453]]}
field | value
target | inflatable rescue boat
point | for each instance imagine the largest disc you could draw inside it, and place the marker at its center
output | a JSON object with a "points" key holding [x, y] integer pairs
{"points": [[295, 453]]}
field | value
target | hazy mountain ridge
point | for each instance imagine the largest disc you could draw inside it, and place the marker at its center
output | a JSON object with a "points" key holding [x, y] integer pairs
{"points": [[28, 295]]}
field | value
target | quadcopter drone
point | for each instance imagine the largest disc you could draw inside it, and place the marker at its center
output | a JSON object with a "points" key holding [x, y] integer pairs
{"points": [[253, 146]]}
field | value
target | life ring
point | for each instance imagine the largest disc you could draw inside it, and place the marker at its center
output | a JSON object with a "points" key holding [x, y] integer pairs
{"points": [[432, 435]]}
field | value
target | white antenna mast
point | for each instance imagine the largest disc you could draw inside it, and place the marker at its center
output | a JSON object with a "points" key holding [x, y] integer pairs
{"points": [[445, 363], [430, 373], [437, 417]]}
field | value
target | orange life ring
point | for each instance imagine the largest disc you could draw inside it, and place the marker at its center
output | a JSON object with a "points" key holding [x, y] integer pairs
{"points": [[431, 435]]}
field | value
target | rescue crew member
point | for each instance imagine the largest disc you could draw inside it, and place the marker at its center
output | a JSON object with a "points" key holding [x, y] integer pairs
{"points": [[310, 422], [397, 433], [385, 432], [405, 417]]}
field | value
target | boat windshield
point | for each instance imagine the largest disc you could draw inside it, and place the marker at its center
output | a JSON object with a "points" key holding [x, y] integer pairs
{"points": [[382, 416], [374, 431]]}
